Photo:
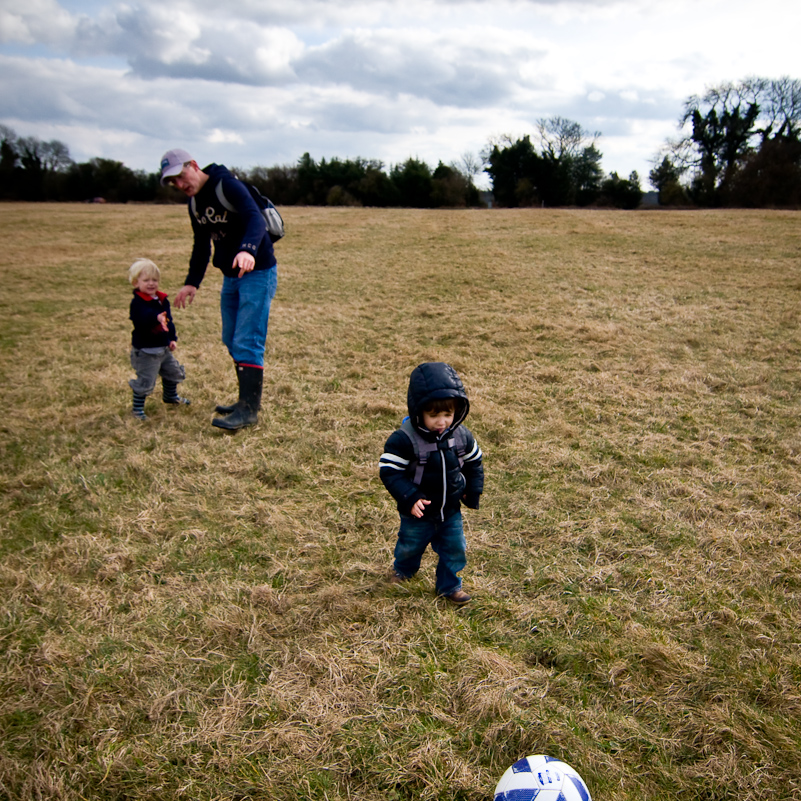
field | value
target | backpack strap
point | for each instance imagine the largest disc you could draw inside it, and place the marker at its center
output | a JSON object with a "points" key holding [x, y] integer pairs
{"points": [[218, 190], [458, 442], [422, 449], [272, 217]]}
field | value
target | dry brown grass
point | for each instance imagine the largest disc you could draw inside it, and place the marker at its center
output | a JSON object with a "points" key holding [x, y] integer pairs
{"points": [[189, 614]]}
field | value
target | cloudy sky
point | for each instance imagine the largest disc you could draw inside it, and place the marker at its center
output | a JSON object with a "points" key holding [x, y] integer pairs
{"points": [[260, 82]]}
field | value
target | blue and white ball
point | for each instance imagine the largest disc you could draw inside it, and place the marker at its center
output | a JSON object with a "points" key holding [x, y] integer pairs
{"points": [[542, 778]]}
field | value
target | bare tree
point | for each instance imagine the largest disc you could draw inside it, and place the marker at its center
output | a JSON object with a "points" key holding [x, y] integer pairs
{"points": [[562, 138], [7, 134], [55, 156], [501, 141], [726, 127], [52, 156], [470, 164], [780, 105]]}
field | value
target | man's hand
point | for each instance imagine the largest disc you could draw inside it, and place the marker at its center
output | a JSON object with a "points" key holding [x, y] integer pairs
{"points": [[419, 507], [244, 262], [186, 295]]}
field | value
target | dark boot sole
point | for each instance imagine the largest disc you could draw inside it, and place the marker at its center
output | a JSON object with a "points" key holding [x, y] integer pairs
{"points": [[233, 425]]}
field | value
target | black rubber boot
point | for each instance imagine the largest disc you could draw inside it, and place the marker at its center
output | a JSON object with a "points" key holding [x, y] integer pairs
{"points": [[228, 409], [245, 412]]}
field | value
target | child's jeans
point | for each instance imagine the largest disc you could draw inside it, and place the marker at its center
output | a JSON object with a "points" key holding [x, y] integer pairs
{"points": [[149, 366], [446, 540]]}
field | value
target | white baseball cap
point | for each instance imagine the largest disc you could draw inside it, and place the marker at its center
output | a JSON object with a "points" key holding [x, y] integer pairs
{"points": [[172, 162]]}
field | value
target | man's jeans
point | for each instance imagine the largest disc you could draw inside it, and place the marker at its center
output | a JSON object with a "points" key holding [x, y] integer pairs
{"points": [[446, 540], [245, 308]]}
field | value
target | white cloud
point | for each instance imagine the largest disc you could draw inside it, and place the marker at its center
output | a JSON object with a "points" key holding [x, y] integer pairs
{"points": [[35, 21], [471, 71], [260, 81], [227, 137]]}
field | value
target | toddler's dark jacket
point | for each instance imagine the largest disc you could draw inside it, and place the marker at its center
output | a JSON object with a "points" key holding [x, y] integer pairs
{"points": [[147, 331], [231, 232], [443, 482]]}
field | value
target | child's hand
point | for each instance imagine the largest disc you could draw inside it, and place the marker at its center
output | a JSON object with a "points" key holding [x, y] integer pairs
{"points": [[173, 345], [419, 507], [162, 318]]}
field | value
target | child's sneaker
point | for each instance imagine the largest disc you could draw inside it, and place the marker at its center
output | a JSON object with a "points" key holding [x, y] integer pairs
{"points": [[460, 597], [139, 415], [177, 399], [397, 578]]}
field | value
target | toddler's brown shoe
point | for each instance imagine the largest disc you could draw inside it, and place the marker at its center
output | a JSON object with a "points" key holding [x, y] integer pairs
{"points": [[460, 597]]}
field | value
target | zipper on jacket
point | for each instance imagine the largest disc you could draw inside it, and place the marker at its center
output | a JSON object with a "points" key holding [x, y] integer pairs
{"points": [[444, 486]]}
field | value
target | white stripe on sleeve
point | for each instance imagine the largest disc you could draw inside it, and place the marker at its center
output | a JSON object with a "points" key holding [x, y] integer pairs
{"points": [[392, 461], [474, 454]]}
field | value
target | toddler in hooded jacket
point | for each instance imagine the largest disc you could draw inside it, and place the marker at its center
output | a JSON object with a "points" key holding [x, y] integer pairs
{"points": [[431, 465]]}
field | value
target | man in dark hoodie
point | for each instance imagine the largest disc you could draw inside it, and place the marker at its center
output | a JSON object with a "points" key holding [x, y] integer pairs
{"points": [[243, 252], [430, 465]]}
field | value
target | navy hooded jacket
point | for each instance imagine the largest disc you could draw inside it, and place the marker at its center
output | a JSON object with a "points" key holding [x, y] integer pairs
{"points": [[444, 482]]}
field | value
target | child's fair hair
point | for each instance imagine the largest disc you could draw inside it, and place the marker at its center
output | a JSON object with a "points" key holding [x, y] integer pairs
{"points": [[440, 405], [142, 267]]}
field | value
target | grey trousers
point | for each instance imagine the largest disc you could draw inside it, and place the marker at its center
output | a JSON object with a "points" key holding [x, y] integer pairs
{"points": [[149, 366]]}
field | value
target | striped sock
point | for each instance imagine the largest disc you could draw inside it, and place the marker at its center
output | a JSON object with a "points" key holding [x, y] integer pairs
{"points": [[169, 393], [139, 406]]}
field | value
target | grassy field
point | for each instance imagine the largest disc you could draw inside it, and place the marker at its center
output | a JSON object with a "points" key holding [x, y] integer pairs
{"points": [[189, 614]]}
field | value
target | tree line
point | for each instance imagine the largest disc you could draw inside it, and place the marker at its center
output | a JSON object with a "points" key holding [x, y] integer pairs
{"points": [[363, 182], [31, 169], [738, 145]]}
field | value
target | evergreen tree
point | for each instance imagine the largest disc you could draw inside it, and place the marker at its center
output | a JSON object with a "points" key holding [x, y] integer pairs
{"points": [[621, 193], [665, 178], [414, 182], [567, 172]]}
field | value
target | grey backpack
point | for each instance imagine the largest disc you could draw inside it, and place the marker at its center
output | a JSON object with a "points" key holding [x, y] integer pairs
{"points": [[274, 221]]}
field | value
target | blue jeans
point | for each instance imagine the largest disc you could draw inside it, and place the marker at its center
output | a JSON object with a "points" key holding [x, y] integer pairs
{"points": [[245, 308], [446, 540]]}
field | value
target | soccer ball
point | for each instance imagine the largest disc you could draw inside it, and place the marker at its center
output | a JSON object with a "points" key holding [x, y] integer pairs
{"points": [[542, 778]]}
